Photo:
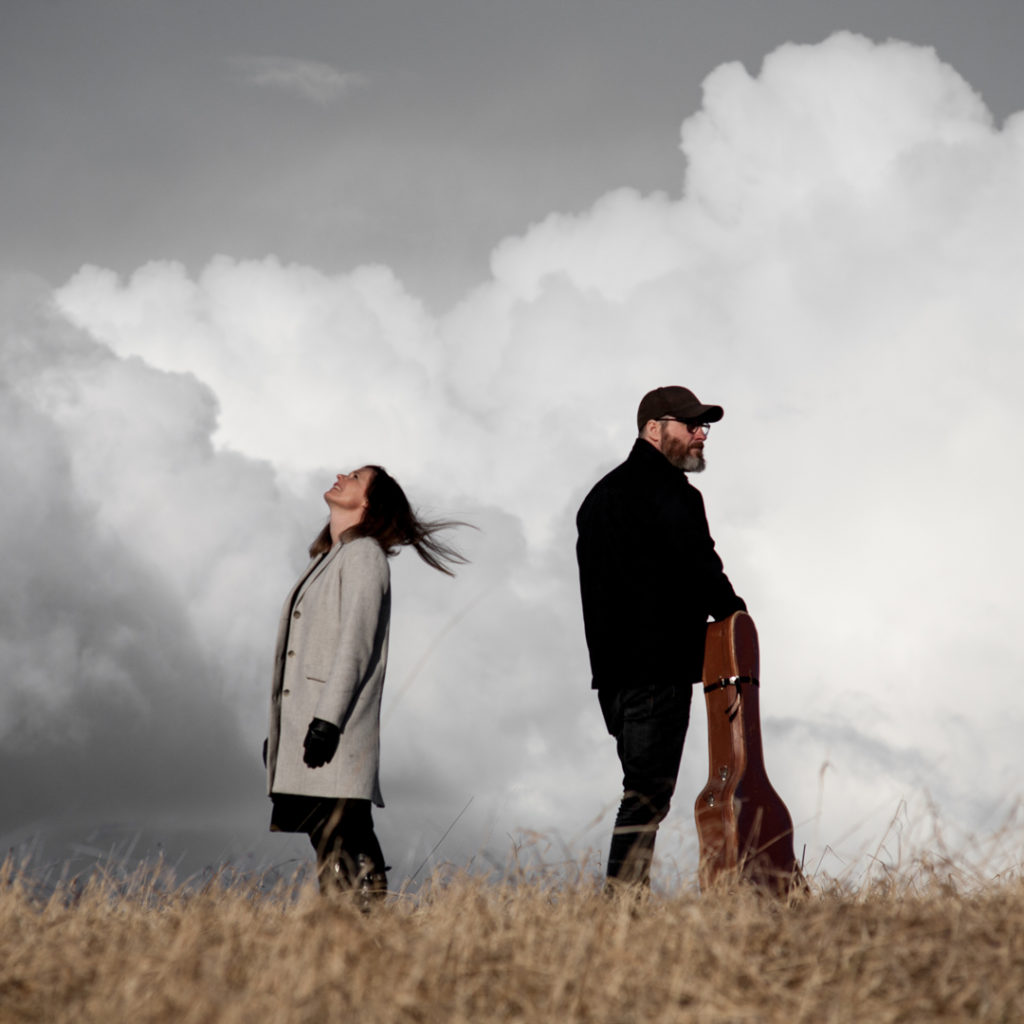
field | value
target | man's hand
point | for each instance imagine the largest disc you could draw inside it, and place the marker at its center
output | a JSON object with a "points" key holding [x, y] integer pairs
{"points": [[320, 743]]}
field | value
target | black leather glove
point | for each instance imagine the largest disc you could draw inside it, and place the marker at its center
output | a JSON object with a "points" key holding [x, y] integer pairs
{"points": [[320, 743]]}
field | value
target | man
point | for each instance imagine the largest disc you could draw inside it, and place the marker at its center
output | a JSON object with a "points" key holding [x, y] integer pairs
{"points": [[649, 579]]}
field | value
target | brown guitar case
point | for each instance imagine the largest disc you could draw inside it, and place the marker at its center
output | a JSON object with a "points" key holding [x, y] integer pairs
{"points": [[744, 828]]}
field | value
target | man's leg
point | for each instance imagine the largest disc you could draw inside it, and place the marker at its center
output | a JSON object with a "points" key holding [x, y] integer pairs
{"points": [[649, 724]]}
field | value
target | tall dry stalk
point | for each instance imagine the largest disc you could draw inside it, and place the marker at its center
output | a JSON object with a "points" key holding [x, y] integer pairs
{"points": [[521, 949]]}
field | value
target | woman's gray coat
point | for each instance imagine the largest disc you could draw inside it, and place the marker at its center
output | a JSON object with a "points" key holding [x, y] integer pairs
{"points": [[332, 650]]}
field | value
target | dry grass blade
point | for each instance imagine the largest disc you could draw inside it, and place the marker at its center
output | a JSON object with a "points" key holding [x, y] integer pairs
{"points": [[469, 950]]}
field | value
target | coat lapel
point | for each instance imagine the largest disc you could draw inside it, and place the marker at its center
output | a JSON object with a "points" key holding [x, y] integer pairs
{"points": [[313, 570]]}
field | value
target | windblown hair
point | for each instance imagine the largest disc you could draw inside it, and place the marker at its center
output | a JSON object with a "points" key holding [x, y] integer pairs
{"points": [[391, 521]]}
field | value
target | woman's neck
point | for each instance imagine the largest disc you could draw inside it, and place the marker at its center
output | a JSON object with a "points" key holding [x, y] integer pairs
{"points": [[343, 519]]}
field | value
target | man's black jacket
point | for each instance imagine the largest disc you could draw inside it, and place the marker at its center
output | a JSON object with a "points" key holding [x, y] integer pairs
{"points": [[649, 574]]}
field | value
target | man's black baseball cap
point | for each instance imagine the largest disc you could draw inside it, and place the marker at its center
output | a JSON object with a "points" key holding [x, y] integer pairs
{"points": [[679, 403]]}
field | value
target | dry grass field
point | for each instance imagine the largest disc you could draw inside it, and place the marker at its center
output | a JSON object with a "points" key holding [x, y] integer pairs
{"points": [[917, 948]]}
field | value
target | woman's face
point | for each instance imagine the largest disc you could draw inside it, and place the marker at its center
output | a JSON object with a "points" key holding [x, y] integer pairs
{"points": [[349, 491]]}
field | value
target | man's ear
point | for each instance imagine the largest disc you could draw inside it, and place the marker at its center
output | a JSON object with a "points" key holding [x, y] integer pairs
{"points": [[652, 433]]}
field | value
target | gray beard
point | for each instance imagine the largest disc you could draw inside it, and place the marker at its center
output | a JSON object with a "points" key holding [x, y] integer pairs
{"points": [[682, 458]]}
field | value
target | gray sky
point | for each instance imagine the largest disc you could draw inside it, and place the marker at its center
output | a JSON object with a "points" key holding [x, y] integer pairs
{"points": [[133, 129], [247, 245]]}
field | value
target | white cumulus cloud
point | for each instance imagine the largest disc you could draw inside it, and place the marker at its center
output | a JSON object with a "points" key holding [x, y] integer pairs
{"points": [[839, 271]]}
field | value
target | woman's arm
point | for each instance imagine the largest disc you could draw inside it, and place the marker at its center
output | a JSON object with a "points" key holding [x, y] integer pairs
{"points": [[364, 585]]}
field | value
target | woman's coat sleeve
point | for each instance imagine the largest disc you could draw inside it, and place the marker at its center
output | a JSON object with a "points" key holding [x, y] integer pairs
{"points": [[364, 584]]}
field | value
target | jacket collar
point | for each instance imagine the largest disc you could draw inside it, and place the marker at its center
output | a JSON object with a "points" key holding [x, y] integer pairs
{"points": [[318, 564], [646, 456]]}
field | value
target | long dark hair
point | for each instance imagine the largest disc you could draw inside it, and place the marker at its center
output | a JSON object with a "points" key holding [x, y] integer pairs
{"points": [[391, 521]]}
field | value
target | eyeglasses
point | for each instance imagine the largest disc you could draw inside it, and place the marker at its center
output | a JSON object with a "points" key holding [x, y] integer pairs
{"points": [[691, 427]]}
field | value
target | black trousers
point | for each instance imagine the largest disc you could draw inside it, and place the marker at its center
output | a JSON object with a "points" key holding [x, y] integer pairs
{"points": [[348, 854], [649, 724]]}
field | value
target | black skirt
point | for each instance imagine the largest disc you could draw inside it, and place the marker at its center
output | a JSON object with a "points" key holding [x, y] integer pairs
{"points": [[309, 814]]}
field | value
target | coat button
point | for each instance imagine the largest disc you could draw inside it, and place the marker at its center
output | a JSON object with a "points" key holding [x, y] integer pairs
{"points": [[291, 654], [296, 614], [286, 692]]}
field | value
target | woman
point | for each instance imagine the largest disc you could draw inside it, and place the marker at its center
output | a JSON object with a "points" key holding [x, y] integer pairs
{"points": [[323, 749]]}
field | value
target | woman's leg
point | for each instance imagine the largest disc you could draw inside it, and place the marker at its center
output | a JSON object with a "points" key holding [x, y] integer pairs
{"points": [[348, 854]]}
